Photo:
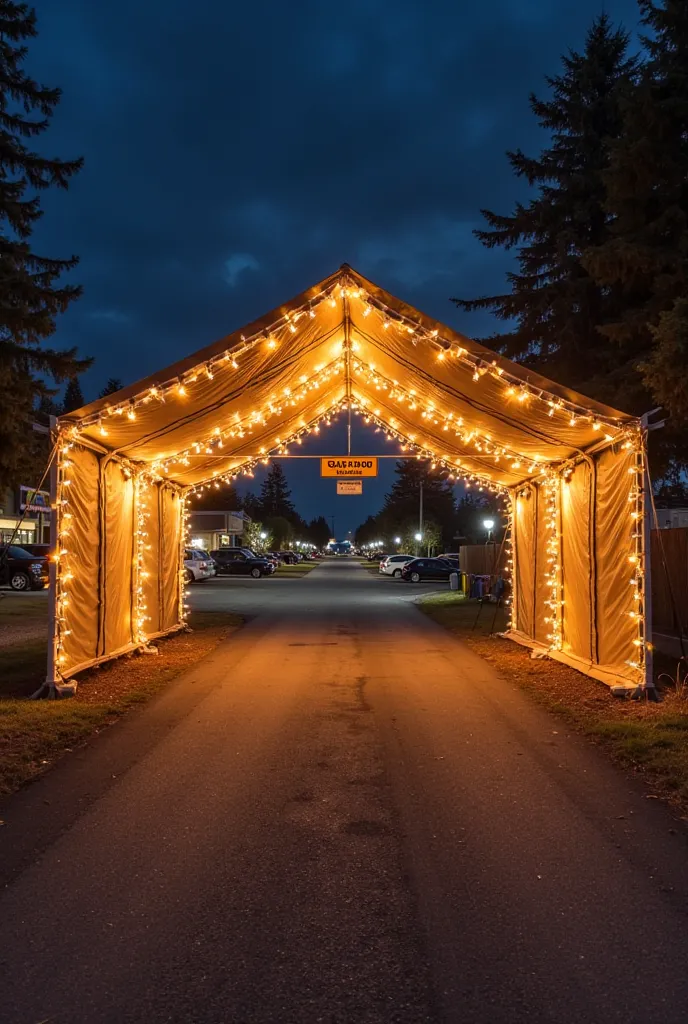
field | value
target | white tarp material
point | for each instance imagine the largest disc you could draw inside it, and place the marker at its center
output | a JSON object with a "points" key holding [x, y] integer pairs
{"points": [[571, 470]]}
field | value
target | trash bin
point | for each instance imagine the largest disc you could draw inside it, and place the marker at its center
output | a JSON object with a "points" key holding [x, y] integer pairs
{"points": [[454, 581]]}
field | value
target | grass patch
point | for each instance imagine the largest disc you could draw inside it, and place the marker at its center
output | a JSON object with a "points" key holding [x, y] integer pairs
{"points": [[651, 739], [300, 569], [34, 734]]}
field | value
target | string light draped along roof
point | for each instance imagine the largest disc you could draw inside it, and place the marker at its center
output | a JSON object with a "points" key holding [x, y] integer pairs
{"points": [[343, 344]]}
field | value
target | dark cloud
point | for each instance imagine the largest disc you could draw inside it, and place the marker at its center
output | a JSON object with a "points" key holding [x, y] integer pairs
{"points": [[235, 153]]}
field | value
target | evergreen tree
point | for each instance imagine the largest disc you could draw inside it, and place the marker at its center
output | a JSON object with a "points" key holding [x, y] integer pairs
{"points": [[557, 307], [319, 532], [646, 254], [275, 496], [73, 398], [30, 293], [114, 384]]}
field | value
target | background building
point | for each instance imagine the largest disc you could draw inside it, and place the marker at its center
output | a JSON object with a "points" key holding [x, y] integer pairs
{"points": [[212, 530]]}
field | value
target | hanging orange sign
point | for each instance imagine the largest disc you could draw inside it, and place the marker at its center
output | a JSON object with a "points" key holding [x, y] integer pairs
{"points": [[348, 465]]}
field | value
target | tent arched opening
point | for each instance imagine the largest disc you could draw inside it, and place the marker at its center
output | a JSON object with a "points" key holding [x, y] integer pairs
{"points": [[573, 472]]}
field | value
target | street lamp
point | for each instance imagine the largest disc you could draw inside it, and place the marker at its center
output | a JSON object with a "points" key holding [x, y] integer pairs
{"points": [[397, 540], [263, 536], [418, 536], [489, 526]]}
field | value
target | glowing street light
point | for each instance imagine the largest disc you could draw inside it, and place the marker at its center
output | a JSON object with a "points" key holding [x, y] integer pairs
{"points": [[489, 526], [418, 536], [263, 536], [397, 540]]}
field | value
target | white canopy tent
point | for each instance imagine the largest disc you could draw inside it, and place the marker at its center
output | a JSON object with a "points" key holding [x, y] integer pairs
{"points": [[573, 471]]}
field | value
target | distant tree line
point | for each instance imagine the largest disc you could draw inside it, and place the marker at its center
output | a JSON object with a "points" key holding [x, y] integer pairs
{"points": [[446, 521], [272, 510]]}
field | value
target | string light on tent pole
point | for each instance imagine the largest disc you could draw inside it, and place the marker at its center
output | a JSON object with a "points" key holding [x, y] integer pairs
{"points": [[141, 494], [553, 574], [64, 573], [508, 570], [636, 497], [185, 539]]}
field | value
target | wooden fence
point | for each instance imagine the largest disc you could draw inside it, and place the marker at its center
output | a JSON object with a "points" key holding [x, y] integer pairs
{"points": [[669, 553], [483, 559]]}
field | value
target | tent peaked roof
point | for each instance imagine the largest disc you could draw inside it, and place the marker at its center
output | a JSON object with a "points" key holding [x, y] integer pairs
{"points": [[347, 342]]}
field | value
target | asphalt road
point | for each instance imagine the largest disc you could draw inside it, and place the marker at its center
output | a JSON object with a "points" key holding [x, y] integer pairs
{"points": [[341, 815]]}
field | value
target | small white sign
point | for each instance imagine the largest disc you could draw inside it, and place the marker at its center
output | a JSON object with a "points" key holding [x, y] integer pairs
{"points": [[349, 487]]}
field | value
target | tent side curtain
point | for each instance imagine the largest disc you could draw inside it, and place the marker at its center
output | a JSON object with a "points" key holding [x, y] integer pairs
{"points": [[595, 627], [120, 571]]}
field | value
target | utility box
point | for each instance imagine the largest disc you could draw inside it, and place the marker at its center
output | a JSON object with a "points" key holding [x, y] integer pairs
{"points": [[454, 581]]}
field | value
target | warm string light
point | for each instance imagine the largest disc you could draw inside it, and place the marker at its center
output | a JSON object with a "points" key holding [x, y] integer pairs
{"points": [[141, 493], [638, 555], [408, 442], [481, 366], [64, 572], [281, 447], [553, 573], [271, 337], [185, 539], [484, 443], [508, 571], [243, 426]]}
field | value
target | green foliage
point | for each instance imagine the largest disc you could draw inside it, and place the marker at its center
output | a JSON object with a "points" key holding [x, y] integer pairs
{"points": [[556, 306], [318, 532], [275, 496], [74, 398], [281, 530], [251, 537], [114, 384], [31, 295]]}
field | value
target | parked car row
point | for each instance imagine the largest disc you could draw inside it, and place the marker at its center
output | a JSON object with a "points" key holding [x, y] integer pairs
{"points": [[200, 565], [417, 570]]}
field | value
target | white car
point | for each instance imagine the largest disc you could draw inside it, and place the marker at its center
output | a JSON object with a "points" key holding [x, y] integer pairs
{"points": [[197, 565], [393, 564]]}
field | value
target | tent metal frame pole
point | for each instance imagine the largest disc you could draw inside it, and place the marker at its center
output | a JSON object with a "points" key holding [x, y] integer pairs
{"points": [[51, 678]]}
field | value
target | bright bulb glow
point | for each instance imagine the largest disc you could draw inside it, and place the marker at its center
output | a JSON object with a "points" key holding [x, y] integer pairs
{"points": [[418, 536], [488, 524]]}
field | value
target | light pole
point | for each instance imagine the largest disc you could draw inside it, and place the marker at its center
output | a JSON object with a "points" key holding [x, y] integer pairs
{"points": [[418, 538], [489, 526]]}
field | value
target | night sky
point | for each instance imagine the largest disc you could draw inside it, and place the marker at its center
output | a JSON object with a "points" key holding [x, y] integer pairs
{"points": [[237, 153]]}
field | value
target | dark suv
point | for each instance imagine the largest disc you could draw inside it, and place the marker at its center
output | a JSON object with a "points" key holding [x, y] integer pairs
{"points": [[21, 569], [234, 562]]}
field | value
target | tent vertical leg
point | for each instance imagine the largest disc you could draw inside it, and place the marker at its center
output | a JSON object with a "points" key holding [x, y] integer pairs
{"points": [[51, 675], [648, 682]]}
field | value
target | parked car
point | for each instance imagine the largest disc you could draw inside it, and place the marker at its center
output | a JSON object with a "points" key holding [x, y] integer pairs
{"points": [[236, 562], [393, 564], [288, 557], [21, 569], [453, 556], [421, 569], [196, 567], [207, 557], [38, 549]]}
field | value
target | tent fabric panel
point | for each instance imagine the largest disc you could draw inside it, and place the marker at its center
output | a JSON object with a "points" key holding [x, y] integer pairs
{"points": [[149, 557], [614, 529], [576, 513], [83, 560], [170, 578], [118, 555], [541, 628], [263, 378], [524, 561], [473, 347]]}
